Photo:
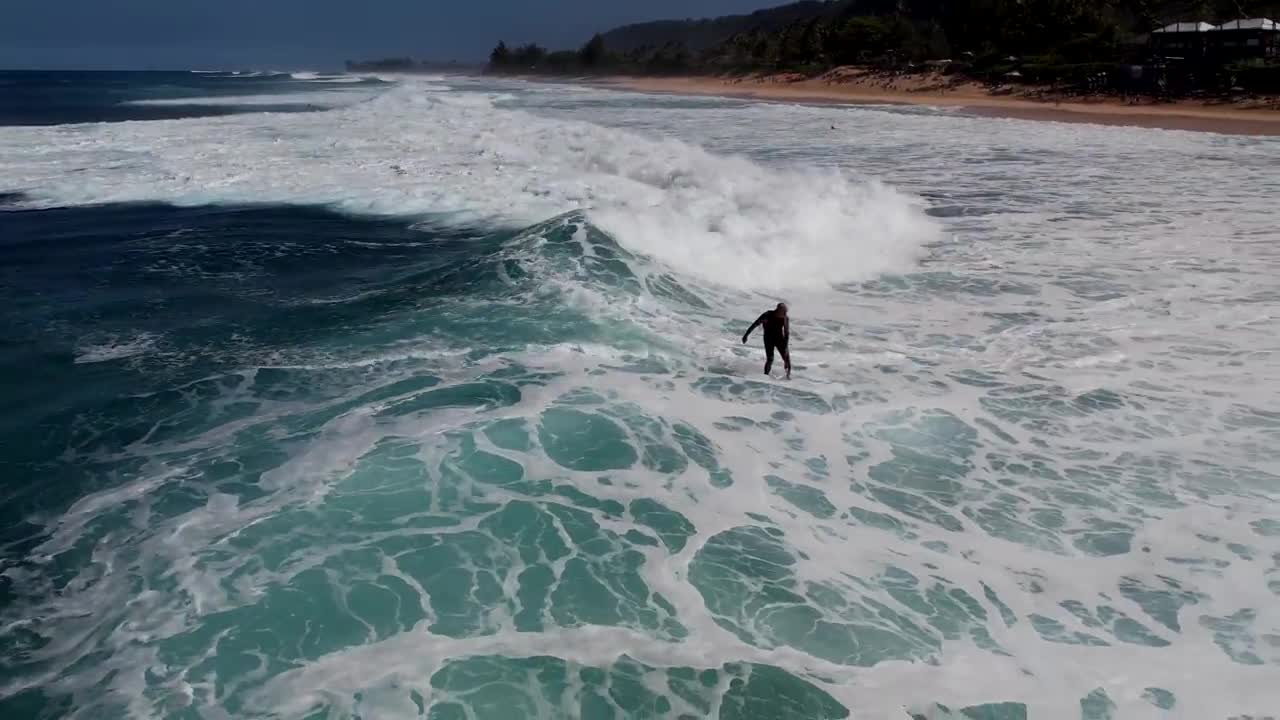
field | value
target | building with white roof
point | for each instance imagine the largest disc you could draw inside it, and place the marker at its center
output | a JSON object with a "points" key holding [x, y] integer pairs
{"points": [[1185, 27], [1246, 38], [1249, 38], [1249, 24]]}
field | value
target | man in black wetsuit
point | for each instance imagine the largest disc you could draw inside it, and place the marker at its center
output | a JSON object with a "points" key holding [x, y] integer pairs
{"points": [[777, 331]]}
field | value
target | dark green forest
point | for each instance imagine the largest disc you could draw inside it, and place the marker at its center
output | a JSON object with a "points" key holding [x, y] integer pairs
{"points": [[1043, 40]]}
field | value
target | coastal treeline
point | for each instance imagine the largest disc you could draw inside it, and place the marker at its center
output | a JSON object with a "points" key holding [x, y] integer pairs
{"points": [[593, 57], [1033, 40]]}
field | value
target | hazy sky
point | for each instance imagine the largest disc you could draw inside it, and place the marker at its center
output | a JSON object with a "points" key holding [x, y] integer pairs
{"points": [[294, 34]]}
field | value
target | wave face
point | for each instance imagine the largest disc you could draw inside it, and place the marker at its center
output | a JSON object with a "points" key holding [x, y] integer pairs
{"points": [[417, 150], [433, 403]]}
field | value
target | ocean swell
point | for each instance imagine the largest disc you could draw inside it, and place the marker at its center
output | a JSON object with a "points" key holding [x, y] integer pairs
{"points": [[421, 150]]}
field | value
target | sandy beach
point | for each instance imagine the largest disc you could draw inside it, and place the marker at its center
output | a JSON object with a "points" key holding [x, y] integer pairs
{"points": [[860, 86]]}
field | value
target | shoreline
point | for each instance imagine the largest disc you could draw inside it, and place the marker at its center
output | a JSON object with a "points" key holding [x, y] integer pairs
{"points": [[853, 86]]}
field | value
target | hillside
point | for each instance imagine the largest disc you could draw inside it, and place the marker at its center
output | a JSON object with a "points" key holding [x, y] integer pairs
{"points": [[705, 33], [963, 22], [1080, 43]]}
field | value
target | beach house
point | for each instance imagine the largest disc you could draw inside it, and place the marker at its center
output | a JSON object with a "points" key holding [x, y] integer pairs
{"points": [[1251, 38], [1181, 40], [1244, 39]]}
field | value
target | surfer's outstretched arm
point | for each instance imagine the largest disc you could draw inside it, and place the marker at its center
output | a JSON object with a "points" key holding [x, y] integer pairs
{"points": [[754, 325]]}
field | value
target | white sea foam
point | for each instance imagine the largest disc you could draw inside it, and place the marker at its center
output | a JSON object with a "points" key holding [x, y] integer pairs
{"points": [[333, 78], [344, 79], [327, 99], [1092, 356], [97, 350], [417, 150]]}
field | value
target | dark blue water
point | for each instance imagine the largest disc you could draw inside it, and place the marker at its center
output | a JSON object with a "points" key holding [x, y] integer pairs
{"points": [[101, 305], [35, 97], [112, 313], [143, 335]]}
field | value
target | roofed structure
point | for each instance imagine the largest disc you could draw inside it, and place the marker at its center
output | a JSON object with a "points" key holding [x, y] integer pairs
{"points": [[1185, 27], [1250, 24]]}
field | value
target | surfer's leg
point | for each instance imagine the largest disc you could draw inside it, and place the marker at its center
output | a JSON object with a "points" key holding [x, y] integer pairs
{"points": [[786, 358], [768, 357]]}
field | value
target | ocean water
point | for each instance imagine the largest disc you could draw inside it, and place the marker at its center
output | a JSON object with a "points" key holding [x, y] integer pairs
{"points": [[61, 98], [332, 397]]}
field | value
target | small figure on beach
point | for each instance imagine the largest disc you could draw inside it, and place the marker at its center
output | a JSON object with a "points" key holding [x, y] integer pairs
{"points": [[777, 331]]}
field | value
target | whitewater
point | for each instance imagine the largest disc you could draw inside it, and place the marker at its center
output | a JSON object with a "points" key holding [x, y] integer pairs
{"points": [[430, 401]]}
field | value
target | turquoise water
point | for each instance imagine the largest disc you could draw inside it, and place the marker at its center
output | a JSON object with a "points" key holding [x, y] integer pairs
{"points": [[431, 403]]}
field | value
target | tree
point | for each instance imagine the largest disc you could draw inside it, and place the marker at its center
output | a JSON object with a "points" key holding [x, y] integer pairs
{"points": [[529, 56], [671, 58], [814, 42], [562, 61], [501, 55], [859, 38], [593, 53], [762, 48]]}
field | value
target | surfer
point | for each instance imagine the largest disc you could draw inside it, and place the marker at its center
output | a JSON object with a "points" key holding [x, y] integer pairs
{"points": [[777, 331]]}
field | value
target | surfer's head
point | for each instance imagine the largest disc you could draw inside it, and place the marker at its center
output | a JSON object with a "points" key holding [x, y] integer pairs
{"points": [[782, 309]]}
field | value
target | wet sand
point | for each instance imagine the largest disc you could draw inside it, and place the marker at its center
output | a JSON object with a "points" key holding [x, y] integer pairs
{"points": [[857, 86]]}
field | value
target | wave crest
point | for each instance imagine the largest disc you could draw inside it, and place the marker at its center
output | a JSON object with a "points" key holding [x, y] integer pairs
{"points": [[423, 149]]}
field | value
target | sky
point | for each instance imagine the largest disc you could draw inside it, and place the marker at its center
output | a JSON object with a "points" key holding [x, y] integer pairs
{"points": [[307, 34]]}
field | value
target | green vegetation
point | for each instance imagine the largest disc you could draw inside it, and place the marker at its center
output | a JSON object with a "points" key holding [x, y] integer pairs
{"points": [[1257, 77], [1080, 43]]}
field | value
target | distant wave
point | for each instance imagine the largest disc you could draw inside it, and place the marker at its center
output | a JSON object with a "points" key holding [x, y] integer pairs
{"points": [[336, 78], [415, 150], [329, 99], [256, 74]]}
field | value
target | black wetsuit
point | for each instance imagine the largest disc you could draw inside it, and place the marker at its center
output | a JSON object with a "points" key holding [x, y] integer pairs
{"points": [[777, 331]]}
